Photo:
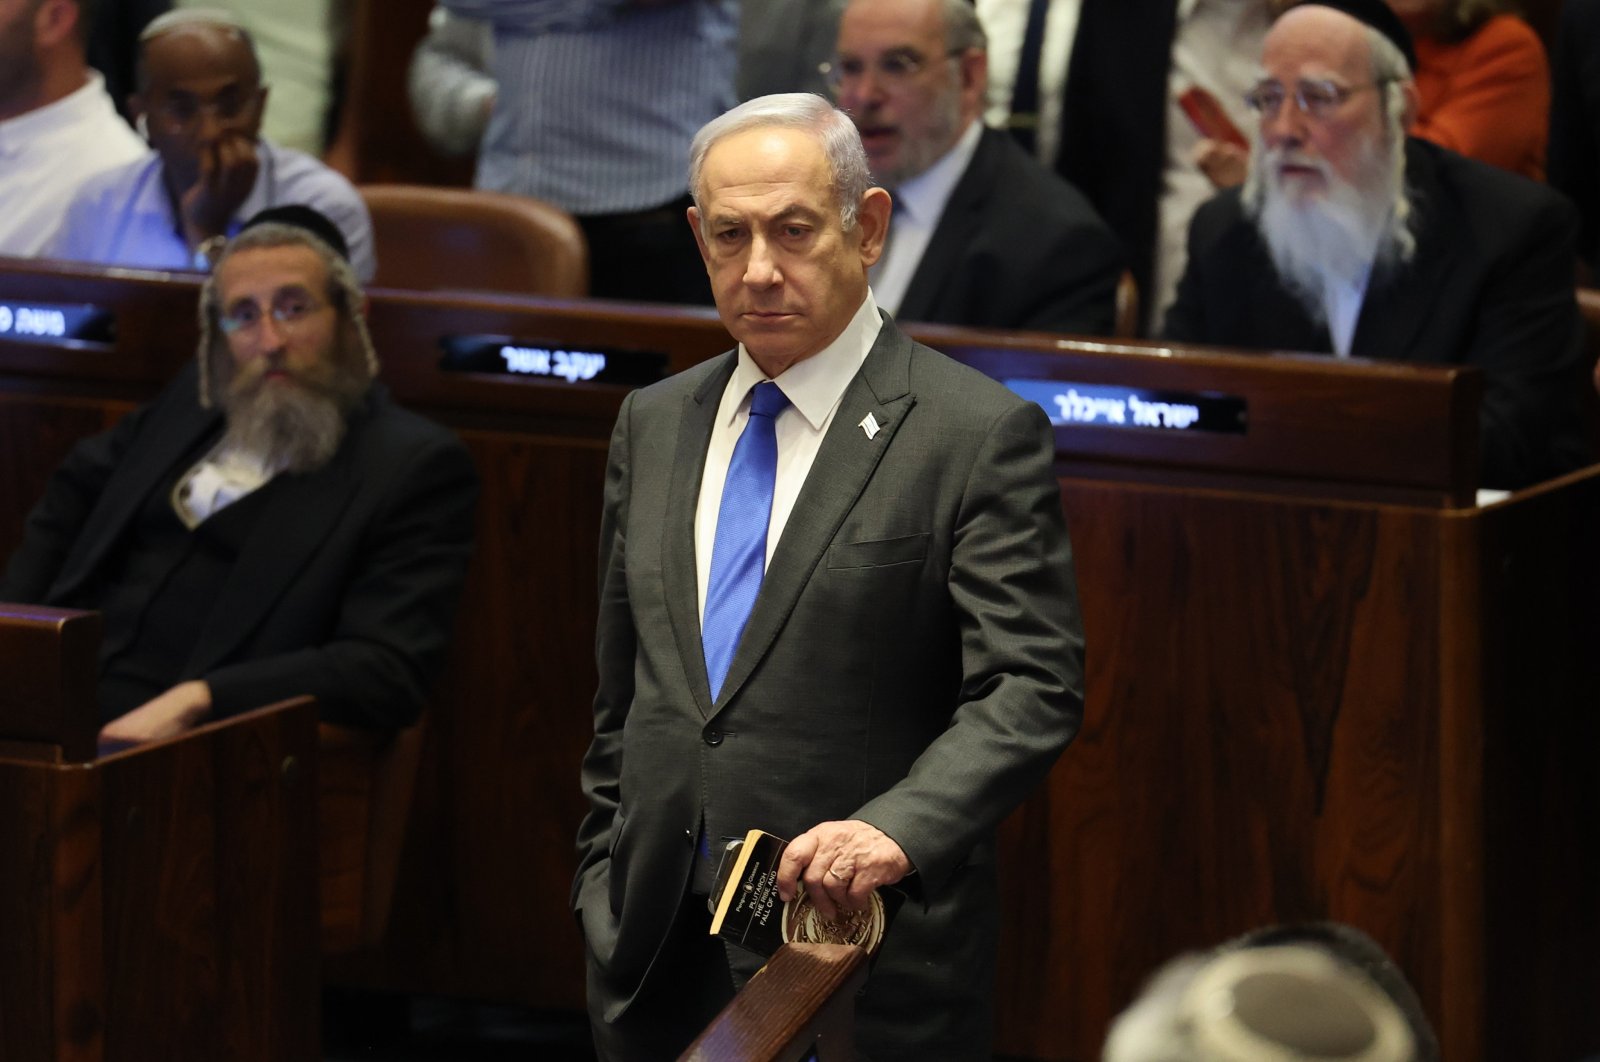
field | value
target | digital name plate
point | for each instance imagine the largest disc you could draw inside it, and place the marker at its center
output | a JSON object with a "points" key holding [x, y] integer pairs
{"points": [[1134, 408], [542, 360], [48, 322]]}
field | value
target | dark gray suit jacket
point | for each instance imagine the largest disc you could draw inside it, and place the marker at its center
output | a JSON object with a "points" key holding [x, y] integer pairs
{"points": [[1016, 247], [1491, 285], [346, 586], [914, 659]]}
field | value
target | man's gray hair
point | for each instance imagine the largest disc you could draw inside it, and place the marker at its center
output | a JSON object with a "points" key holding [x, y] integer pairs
{"points": [[344, 294], [962, 29], [841, 144]]}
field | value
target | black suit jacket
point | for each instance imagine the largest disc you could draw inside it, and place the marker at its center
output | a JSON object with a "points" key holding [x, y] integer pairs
{"points": [[1114, 118], [346, 586], [914, 659], [1491, 285], [1575, 117], [1016, 247]]}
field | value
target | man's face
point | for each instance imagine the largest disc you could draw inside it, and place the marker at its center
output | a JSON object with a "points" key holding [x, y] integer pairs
{"points": [[19, 63], [908, 97], [292, 282], [201, 87], [1305, 154], [786, 275]]}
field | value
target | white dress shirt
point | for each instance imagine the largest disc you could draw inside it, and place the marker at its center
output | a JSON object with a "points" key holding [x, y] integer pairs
{"points": [[47, 153], [919, 204], [1342, 303], [814, 388], [217, 480]]}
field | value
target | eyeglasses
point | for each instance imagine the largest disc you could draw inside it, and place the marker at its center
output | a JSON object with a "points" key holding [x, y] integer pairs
{"points": [[893, 68], [289, 308], [182, 110], [1316, 99]]}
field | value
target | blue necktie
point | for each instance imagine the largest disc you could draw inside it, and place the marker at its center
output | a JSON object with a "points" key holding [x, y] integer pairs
{"points": [[739, 554]]}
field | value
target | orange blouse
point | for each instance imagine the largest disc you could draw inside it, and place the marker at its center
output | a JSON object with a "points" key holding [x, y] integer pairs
{"points": [[1488, 96]]}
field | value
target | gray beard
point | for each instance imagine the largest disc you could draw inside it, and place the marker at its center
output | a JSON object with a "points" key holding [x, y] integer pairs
{"points": [[1321, 244], [1317, 248], [287, 426]]}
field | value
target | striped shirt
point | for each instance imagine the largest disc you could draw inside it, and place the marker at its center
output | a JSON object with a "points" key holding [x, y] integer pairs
{"points": [[599, 99]]}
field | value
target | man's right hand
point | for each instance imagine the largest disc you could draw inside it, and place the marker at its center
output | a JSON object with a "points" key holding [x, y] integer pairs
{"points": [[228, 168]]}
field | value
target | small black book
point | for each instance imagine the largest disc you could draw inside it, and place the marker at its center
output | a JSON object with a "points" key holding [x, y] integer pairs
{"points": [[749, 913]]}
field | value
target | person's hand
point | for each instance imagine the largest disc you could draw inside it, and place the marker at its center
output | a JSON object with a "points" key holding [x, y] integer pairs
{"points": [[181, 708], [1225, 165], [840, 863], [228, 169]]}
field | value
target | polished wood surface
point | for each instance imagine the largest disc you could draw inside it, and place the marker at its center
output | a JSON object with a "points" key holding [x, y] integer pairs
{"points": [[1321, 682], [161, 902], [455, 239], [47, 701], [802, 1000], [365, 784]]}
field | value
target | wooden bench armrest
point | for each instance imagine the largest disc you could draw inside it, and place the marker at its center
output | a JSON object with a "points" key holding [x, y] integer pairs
{"points": [[803, 999]]}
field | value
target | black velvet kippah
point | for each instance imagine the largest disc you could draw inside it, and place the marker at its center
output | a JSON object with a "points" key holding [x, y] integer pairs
{"points": [[1377, 14], [303, 217]]}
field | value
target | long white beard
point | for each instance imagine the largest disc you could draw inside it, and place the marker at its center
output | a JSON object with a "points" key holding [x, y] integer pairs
{"points": [[1330, 240]]}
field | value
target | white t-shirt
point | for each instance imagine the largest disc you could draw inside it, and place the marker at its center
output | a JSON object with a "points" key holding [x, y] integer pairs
{"points": [[46, 154]]}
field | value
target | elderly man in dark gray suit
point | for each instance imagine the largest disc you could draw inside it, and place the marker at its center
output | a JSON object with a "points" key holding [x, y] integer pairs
{"points": [[865, 638]]}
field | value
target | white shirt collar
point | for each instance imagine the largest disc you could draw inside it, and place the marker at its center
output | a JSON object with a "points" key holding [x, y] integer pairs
{"points": [[814, 385], [923, 197]]}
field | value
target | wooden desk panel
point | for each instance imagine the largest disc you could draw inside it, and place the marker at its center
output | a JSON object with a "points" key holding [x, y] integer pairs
{"points": [[161, 902], [1253, 750]]}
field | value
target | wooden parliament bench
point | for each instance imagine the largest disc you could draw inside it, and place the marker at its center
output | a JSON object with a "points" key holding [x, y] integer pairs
{"points": [[1323, 682], [157, 902]]}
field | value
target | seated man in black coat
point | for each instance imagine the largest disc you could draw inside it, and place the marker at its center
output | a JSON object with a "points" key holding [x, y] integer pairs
{"points": [[1349, 238], [982, 234], [271, 525]]}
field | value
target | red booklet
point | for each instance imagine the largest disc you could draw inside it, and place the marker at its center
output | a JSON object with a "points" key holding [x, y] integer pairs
{"points": [[1209, 118]]}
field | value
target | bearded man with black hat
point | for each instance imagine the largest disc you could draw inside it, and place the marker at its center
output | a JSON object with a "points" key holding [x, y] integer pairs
{"points": [[1351, 238], [271, 525]]}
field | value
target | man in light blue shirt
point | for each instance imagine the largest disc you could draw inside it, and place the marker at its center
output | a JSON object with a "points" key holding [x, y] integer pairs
{"points": [[200, 103]]}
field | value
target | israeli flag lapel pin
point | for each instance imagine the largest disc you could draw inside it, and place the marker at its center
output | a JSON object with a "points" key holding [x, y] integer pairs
{"points": [[869, 425]]}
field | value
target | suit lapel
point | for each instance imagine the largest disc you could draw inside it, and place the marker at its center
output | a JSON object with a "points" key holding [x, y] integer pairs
{"points": [[295, 519], [1399, 298], [1280, 321], [961, 217], [165, 443], [679, 577], [844, 464]]}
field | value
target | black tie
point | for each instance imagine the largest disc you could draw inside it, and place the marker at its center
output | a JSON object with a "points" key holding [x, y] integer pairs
{"points": [[1024, 122]]}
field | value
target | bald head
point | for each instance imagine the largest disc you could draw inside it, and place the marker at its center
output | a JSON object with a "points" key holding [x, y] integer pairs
{"points": [[1327, 171], [199, 93], [172, 49]]}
